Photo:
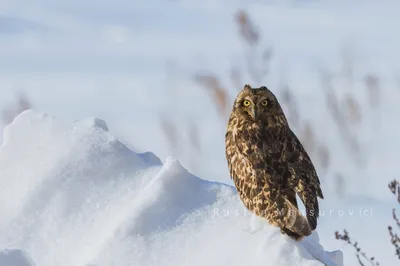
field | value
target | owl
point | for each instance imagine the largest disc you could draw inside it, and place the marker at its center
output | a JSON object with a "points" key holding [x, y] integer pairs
{"points": [[269, 165]]}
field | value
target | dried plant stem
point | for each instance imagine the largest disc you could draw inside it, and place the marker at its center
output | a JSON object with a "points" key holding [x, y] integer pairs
{"points": [[361, 255]]}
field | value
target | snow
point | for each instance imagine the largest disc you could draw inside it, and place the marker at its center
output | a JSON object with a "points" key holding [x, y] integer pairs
{"points": [[14, 258], [75, 195]]}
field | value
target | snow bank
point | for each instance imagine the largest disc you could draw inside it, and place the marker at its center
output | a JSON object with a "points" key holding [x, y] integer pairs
{"points": [[14, 258], [72, 194]]}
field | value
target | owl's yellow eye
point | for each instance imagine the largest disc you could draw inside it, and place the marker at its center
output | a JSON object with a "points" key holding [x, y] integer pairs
{"points": [[246, 103], [264, 103]]}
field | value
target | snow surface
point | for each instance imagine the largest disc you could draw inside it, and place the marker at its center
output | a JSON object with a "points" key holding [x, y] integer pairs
{"points": [[14, 257], [75, 195]]}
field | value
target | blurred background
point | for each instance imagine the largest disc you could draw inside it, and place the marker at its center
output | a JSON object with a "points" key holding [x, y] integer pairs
{"points": [[163, 75]]}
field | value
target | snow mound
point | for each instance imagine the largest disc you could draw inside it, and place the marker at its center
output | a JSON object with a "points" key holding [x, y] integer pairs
{"points": [[14, 258], [72, 194]]}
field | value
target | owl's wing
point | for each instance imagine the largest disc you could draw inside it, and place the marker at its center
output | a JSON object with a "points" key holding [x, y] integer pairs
{"points": [[304, 179]]}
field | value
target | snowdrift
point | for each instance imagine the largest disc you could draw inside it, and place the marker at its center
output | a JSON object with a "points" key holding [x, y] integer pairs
{"points": [[72, 194], [14, 258]]}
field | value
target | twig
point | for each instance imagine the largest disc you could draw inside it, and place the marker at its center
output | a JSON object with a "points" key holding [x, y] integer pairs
{"points": [[359, 253], [394, 187]]}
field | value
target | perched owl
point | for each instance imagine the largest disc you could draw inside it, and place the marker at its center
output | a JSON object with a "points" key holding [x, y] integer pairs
{"points": [[269, 165]]}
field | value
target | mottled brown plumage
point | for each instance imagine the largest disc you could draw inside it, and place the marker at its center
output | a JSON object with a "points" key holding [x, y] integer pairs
{"points": [[269, 165]]}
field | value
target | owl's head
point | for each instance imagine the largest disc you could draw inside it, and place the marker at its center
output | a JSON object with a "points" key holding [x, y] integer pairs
{"points": [[259, 104]]}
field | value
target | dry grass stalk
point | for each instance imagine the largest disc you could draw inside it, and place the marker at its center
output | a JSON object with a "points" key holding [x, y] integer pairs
{"points": [[308, 138], [218, 94], [246, 28], [347, 67], [340, 185], [257, 65], [324, 156], [394, 187], [395, 240], [353, 110], [372, 83], [339, 118], [289, 100], [359, 253]]}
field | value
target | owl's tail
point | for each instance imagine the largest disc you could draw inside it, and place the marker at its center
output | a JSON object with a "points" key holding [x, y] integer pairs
{"points": [[295, 224], [299, 229], [286, 215]]}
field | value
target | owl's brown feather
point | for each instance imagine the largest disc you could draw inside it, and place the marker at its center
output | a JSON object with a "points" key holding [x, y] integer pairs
{"points": [[269, 165], [305, 180]]}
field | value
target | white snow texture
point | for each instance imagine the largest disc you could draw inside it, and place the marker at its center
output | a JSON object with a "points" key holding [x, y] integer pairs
{"points": [[75, 195]]}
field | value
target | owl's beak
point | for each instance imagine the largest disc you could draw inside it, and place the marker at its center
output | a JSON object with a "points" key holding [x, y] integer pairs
{"points": [[253, 114]]}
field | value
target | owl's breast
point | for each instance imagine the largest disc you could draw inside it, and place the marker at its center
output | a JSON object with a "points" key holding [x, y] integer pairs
{"points": [[239, 155]]}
